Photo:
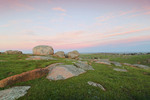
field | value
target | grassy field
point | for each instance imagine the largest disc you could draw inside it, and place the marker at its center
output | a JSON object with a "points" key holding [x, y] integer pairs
{"points": [[131, 85]]}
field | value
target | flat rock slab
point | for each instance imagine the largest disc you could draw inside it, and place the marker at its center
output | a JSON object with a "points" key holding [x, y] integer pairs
{"points": [[127, 64], [40, 58], [96, 85], [120, 70], [116, 63], [141, 66], [83, 65], [106, 63], [13, 93], [61, 72], [102, 61]]}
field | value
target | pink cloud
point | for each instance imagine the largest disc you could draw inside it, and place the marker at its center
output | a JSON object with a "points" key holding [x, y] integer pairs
{"points": [[128, 32], [17, 5], [70, 40], [59, 9], [105, 18], [5, 25]]}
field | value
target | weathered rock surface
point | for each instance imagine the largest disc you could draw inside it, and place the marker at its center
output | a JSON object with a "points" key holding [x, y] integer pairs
{"points": [[13, 93], [61, 72], [73, 54], [60, 54], [30, 75], [116, 63], [127, 64], [96, 85], [83, 65], [103, 61], [43, 50], [13, 52], [141, 66], [40, 58], [120, 70]]}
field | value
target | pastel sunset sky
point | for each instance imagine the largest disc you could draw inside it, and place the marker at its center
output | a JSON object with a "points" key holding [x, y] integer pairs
{"points": [[84, 25]]}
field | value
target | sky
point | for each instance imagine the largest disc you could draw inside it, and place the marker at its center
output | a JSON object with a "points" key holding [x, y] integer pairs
{"points": [[89, 26]]}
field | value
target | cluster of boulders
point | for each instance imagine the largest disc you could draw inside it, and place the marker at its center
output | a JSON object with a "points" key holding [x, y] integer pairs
{"points": [[48, 50], [13, 52]]}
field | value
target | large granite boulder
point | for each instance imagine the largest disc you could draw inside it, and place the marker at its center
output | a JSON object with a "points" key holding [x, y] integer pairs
{"points": [[13, 52], [61, 72], [60, 54], [13, 93], [73, 54], [43, 50], [83, 65]]}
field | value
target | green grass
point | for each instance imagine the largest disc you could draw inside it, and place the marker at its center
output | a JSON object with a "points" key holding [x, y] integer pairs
{"points": [[131, 85], [133, 59]]}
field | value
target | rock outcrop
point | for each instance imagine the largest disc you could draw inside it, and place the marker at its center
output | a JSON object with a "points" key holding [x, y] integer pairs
{"points": [[43, 50], [61, 72], [30, 75], [25, 76], [13, 52], [73, 54], [13, 93], [60, 54]]}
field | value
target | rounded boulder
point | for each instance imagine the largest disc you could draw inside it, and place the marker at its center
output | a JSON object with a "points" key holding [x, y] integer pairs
{"points": [[43, 50], [73, 54], [60, 54]]}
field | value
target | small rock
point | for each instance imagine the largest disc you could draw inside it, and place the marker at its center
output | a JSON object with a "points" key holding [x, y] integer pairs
{"points": [[120, 70], [96, 85], [13, 93]]}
